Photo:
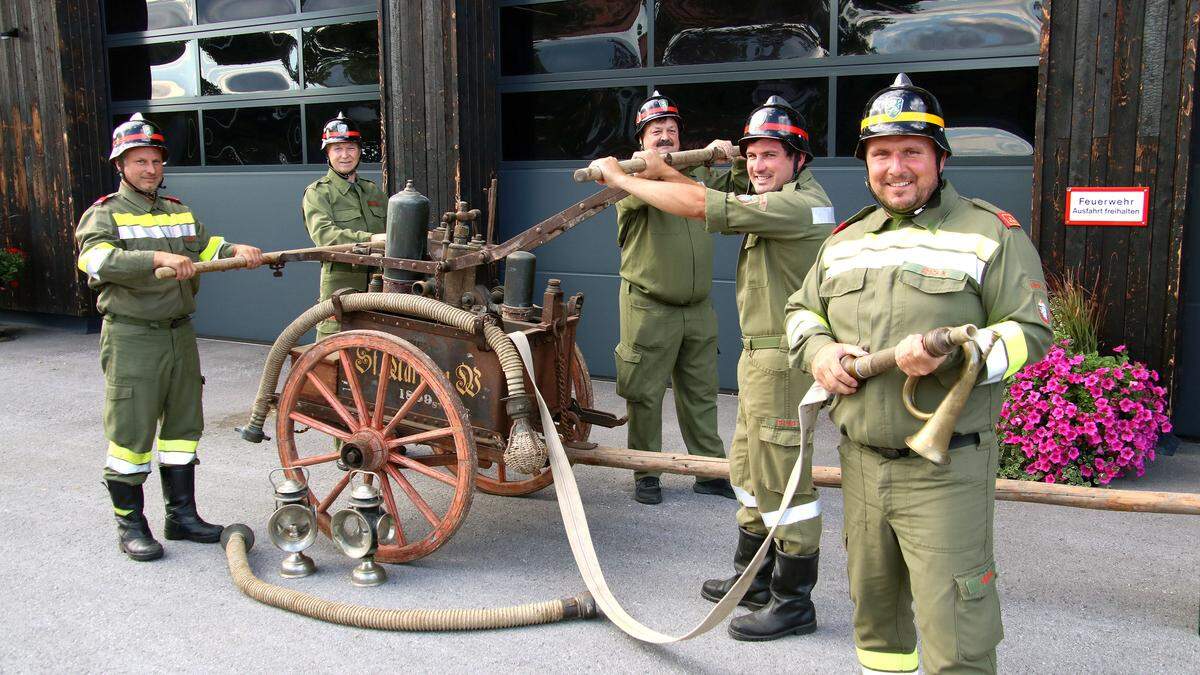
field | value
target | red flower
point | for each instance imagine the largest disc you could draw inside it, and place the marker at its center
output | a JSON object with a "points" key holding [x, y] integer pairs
{"points": [[13, 284]]}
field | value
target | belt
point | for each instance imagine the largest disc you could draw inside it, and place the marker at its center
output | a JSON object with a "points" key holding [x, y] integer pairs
{"points": [[158, 323], [763, 342], [956, 441]]}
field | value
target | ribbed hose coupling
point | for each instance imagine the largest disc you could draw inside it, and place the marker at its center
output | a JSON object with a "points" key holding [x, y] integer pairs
{"points": [[237, 540]]}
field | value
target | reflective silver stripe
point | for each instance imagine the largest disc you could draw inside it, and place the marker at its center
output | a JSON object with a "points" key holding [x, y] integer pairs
{"points": [[792, 514], [175, 458], [126, 468], [823, 215], [800, 322], [94, 258], [156, 231], [745, 498], [966, 252], [933, 258], [997, 360]]}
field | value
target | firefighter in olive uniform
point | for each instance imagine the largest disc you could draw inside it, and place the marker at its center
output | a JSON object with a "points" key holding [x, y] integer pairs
{"points": [[147, 344], [342, 207], [923, 257], [668, 324], [783, 223]]}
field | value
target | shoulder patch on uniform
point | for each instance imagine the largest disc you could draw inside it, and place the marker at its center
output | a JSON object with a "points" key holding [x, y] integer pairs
{"points": [[172, 199], [1008, 219], [105, 198], [862, 213]]}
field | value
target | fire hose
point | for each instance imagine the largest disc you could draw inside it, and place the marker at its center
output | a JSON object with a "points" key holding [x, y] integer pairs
{"points": [[238, 539]]}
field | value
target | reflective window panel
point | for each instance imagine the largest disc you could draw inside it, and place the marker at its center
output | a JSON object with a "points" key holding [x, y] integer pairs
{"points": [[580, 124], [128, 16], [719, 110], [268, 135], [212, 11], [365, 113], [570, 36], [319, 5], [252, 62], [910, 26], [341, 54], [988, 113], [182, 132], [156, 71], [719, 31]]}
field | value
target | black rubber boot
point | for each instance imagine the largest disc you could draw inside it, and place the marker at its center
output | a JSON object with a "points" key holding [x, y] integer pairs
{"points": [[179, 492], [714, 486], [758, 593], [790, 610], [133, 532], [647, 490]]}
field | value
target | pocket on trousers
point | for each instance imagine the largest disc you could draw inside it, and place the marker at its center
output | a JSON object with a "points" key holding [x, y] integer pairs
{"points": [[780, 444], [629, 386], [116, 392], [977, 625]]}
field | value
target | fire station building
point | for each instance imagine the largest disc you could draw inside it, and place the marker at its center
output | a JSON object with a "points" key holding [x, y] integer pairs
{"points": [[1039, 97]]}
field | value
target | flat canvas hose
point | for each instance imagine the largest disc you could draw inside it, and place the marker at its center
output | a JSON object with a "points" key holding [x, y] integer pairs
{"points": [[238, 539], [579, 536], [524, 448]]}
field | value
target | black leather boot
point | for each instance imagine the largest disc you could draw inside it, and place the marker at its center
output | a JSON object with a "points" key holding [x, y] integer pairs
{"points": [[758, 593], [133, 532], [179, 492], [647, 490], [790, 610]]}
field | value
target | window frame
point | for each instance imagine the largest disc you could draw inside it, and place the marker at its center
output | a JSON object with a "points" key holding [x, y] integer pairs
{"points": [[832, 67], [295, 23]]}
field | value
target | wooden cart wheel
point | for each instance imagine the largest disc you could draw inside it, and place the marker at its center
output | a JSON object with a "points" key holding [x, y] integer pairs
{"points": [[496, 480], [428, 493]]}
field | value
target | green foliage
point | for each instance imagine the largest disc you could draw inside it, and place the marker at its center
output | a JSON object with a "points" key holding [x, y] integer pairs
{"points": [[1077, 313], [12, 262]]}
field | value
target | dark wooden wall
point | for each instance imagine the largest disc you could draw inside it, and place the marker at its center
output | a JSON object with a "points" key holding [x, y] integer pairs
{"points": [[438, 84], [1116, 86], [53, 122]]}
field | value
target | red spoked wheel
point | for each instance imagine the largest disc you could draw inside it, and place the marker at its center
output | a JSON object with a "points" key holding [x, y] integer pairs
{"points": [[380, 405], [496, 479]]}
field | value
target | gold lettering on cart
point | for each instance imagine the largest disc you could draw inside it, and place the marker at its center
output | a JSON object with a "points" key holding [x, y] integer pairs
{"points": [[469, 378]]}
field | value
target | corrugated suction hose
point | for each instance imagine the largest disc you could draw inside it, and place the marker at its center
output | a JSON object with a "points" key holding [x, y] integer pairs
{"points": [[527, 452], [238, 539]]}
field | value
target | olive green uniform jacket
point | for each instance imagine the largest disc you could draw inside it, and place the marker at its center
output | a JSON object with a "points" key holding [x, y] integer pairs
{"points": [[337, 211], [668, 325], [147, 344], [781, 234], [916, 531]]}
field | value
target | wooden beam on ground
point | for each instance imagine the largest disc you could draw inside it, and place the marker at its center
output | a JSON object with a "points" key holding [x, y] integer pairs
{"points": [[1102, 499]]}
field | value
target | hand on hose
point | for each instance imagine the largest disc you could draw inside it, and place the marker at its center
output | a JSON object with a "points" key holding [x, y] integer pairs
{"points": [[828, 371], [912, 359], [251, 254], [183, 266]]}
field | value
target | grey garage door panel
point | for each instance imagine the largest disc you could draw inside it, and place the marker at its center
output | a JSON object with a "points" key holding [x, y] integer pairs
{"points": [[260, 208]]}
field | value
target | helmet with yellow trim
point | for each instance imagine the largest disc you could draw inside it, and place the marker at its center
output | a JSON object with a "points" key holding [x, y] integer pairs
{"points": [[654, 108], [137, 132], [902, 109], [340, 129], [777, 119]]}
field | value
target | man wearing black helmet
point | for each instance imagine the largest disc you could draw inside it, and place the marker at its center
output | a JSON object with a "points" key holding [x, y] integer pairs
{"points": [[342, 207], [923, 257], [783, 222], [147, 344], [668, 325]]}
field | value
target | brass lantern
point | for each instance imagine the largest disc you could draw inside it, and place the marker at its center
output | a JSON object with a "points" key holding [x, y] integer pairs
{"points": [[293, 526], [359, 530]]}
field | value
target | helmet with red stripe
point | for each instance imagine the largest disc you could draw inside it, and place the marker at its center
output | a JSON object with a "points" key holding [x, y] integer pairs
{"points": [[656, 107], [340, 130], [777, 119], [902, 109], [137, 132]]}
